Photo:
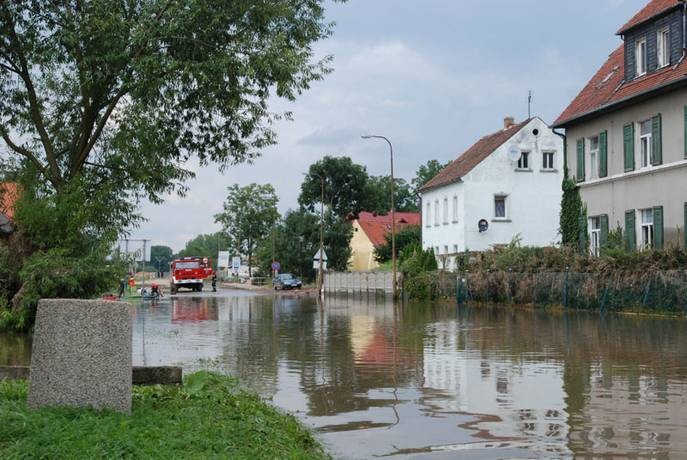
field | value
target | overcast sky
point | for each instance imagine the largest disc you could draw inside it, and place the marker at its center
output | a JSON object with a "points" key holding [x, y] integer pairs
{"points": [[432, 75]]}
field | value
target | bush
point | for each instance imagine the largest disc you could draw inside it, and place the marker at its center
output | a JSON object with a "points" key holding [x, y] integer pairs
{"points": [[53, 274]]}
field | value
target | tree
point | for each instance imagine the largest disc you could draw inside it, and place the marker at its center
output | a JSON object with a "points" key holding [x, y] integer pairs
{"points": [[204, 245], [249, 216], [344, 186], [118, 95], [408, 236], [161, 257], [426, 172], [378, 195], [296, 239], [571, 210]]}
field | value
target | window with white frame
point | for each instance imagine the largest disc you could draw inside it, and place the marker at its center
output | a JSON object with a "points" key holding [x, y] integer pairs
{"points": [[428, 217], [524, 161], [455, 208], [593, 157], [548, 161], [455, 249], [646, 222], [436, 212], [645, 143], [446, 249], [445, 211], [594, 235], [640, 57], [663, 47], [500, 211]]}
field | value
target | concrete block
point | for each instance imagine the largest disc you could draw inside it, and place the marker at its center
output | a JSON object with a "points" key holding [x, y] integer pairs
{"points": [[81, 355]]}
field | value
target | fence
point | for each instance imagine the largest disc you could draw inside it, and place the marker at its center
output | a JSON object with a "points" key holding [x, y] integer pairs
{"points": [[664, 291], [358, 283]]}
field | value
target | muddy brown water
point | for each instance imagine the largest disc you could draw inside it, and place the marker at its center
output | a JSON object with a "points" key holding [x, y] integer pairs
{"points": [[434, 381]]}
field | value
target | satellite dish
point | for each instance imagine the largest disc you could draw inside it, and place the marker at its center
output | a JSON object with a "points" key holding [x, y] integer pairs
{"points": [[514, 153]]}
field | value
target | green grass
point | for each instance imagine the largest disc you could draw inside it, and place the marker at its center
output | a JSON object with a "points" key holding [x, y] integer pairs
{"points": [[208, 417]]}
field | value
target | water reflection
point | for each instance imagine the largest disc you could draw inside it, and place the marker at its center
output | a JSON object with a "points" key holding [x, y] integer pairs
{"points": [[437, 381]]}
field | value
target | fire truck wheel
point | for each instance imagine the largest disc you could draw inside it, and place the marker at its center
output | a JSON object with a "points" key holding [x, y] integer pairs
{"points": [[173, 288], [200, 288]]}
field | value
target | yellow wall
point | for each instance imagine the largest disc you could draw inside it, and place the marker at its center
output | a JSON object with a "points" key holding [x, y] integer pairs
{"points": [[362, 251]]}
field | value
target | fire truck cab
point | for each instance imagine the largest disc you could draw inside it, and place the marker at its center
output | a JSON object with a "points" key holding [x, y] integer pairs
{"points": [[189, 272]]}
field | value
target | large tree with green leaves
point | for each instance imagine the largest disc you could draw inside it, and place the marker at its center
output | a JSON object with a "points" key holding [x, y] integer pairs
{"points": [[378, 195], [426, 172], [249, 216], [121, 93], [342, 183]]}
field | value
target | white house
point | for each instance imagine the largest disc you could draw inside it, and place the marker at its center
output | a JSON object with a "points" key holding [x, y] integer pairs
{"points": [[507, 184]]}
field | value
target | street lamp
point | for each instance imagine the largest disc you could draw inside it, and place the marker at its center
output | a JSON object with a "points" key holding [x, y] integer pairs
{"points": [[393, 210]]}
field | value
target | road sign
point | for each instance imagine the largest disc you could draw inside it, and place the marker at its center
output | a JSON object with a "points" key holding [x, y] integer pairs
{"points": [[235, 263], [223, 259], [317, 255], [276, 266]]}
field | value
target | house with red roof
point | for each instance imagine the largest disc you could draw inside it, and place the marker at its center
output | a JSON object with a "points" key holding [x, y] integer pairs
{"points": [[506, 186], [626, 133], [9, 193], [369, 231]]}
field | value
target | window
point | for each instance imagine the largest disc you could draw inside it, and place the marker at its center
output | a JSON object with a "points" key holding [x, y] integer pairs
{"points": [[499, 207], [436, 212], [455, 249], [524, 161], [547, 161], [446, 249], [445, 211], [593, 157], [663, 48], [595, 235], [647, 228], [640, 57], [455, 209], [428, 217], [645, 143]]}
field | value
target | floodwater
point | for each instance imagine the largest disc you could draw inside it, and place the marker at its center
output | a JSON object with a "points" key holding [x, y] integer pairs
{"points": [[435, 381]]}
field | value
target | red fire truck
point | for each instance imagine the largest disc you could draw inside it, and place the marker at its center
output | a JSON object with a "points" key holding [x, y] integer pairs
{"points": [[189, 272]]}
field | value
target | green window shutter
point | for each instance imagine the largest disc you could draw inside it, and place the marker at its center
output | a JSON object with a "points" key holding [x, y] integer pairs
{"points": [[629, 146], [603, 234], [685, 131], [658, 227], [656, 141], [684, 229], [630, 231], [582, 233], [603, 154], [580, 160]]}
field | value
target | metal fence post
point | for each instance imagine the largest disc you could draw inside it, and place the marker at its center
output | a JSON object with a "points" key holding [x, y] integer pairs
{"points": [[566, 274]]}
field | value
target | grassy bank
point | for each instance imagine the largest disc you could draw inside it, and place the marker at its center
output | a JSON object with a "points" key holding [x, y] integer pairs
{"points": [[207, 417]]}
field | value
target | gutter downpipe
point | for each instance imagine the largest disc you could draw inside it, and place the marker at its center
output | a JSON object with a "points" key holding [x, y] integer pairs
{"points": [[565, 148], [684, 29]]}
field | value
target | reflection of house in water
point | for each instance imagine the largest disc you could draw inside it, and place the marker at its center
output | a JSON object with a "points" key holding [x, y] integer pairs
{"points": [[526, 395], [629, 411]]}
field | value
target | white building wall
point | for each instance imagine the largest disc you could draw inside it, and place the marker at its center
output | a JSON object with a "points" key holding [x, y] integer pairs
{"points": [[533, 197]]}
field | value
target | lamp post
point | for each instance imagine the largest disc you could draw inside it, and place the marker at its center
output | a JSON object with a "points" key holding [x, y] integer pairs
{"points": [[393, 210]]}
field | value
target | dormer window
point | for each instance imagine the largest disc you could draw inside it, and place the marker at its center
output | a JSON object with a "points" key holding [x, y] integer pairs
{"points": [[640, 57], [663, 47]]}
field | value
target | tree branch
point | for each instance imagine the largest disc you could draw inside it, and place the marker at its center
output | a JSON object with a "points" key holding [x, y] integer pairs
{"points": [[35, 111], [22, 151]]}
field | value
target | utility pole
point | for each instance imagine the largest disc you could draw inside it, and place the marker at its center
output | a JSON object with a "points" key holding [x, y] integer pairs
{"points": [[393, 212]]}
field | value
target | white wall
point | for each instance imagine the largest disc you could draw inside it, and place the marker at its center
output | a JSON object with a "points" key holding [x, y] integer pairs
{"points": [[533, 197]]}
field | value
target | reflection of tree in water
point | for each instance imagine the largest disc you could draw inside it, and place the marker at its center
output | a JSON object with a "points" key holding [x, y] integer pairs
{"points": [[15, 349]]}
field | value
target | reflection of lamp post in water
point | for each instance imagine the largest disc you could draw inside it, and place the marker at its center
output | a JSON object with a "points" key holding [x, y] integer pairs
{"points": [[320, 272]]}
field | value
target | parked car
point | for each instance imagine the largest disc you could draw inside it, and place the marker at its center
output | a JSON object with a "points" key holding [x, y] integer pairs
{"points": [[286, 281]]}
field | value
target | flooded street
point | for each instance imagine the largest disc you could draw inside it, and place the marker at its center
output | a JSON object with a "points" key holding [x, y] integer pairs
{"points": [[435, 381]]}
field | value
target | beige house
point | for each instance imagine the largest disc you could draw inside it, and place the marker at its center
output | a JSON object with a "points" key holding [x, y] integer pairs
{"points": [[369, 231], [626, 136]]}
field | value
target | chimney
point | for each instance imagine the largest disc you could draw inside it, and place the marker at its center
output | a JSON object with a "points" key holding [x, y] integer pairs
{"points": [[508, 122]]}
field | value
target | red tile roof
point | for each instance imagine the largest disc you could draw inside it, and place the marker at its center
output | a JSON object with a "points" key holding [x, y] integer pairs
{"points": [[376, 227], [9, 192], [472, 157], [607, 86], [651, 10]]}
